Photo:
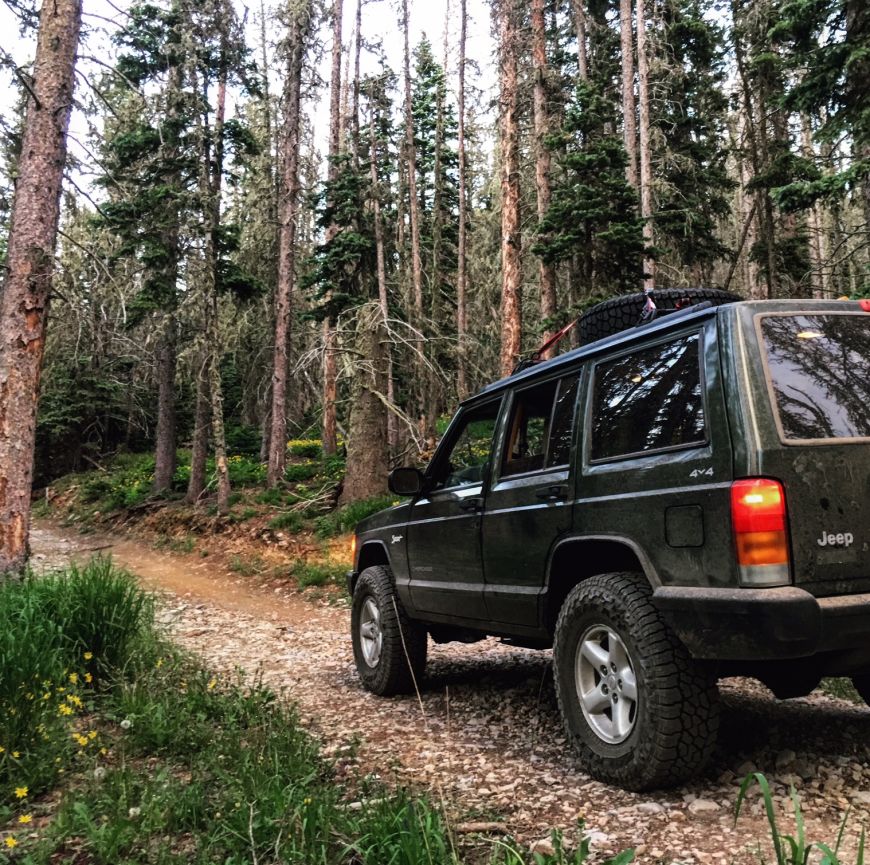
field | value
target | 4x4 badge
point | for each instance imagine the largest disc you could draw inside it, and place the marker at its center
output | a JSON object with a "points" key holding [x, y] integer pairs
{"points": [[396, 539], [843, 539]]}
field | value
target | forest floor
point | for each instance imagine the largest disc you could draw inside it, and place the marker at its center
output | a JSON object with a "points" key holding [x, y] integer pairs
{"points": [[484, 735]]}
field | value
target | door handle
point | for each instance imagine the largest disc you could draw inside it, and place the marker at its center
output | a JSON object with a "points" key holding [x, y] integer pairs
{"points": [[553, 494], [472, 503]]}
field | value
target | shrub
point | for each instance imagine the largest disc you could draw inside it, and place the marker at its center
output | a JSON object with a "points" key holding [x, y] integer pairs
{"points": [[298, 472], [316, 574]]}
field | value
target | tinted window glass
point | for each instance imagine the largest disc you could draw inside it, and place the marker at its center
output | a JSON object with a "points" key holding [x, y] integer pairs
{"points": [[820, 367], [563, 422], [648, 400], [529, 429], [471, 450]]}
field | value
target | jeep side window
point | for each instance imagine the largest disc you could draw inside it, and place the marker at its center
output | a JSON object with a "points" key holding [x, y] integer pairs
{"points": [[539, 433], [463, 465], [648, 400]]}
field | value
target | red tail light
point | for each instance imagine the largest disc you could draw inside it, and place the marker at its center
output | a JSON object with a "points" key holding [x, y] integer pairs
{"points": [[758, 516]]}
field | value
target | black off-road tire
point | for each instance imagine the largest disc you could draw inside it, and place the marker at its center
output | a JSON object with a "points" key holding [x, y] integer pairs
{"points": [[621, 313], [403, 639], [676, 718], [862, 686]]}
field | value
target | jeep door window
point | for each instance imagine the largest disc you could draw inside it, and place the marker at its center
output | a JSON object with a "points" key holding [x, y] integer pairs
{"points": [[464, 463], [819, 369], [649, 400], [539, 433]]}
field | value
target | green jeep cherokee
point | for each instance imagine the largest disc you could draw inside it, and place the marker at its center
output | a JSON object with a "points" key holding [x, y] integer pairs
{"points": [[665, 506]]}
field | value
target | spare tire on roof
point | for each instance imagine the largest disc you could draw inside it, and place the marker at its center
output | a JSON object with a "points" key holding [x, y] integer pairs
{"points": [[621, 313]]}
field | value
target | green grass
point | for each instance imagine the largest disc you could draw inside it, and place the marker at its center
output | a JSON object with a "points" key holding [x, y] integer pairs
{"points": [[344, 519], [842, 688], [61, 638], [315, 574], [291, 521]]}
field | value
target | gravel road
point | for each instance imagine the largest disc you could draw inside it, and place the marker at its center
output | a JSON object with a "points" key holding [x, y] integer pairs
{"points": [[485, 736]]}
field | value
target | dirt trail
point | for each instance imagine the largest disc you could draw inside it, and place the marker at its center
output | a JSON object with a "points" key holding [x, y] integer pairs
{"points": [[488, 738]]}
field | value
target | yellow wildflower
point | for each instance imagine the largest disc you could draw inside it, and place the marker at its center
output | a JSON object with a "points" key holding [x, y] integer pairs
{"points": [[65, 710], [25, 818], [88, 656], [11, 842], [89, 678], [16, 754], [211, 684], [74, 678], [2, 750], [92, 734], [82, 740], [20, 792]]}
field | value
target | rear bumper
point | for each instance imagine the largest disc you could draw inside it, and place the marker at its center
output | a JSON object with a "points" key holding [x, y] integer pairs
{"points": [[763, 624]]}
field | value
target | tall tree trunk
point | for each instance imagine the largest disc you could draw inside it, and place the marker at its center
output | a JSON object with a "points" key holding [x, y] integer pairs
{"points": [[411, 159], [541, 109], [383, 297], [462, 240], [646, 179], [329, 435], [299, 27], [629, 123], [164, 444], [212, 189], [367, 465], [814, 220], [511, 238], [580, 31], [165, 435], [30, 265]]}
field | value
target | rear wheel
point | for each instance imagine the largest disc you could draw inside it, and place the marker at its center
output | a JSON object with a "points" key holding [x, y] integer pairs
{"points": [[388, 647], [639, 710]]}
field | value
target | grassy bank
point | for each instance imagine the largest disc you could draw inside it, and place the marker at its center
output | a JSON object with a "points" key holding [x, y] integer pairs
{"points": [[118, 748], [293, 531]]}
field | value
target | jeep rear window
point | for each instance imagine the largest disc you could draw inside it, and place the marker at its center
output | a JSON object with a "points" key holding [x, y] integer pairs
{"points": [[649, 400], [819, 368]]}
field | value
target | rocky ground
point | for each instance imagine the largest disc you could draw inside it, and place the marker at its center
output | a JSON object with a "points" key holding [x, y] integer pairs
{"points": [[484, 735]]}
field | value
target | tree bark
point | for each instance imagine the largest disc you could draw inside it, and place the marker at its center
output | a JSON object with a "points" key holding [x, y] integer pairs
{"points": [[646, 196], [299, 28], [30, 264], [629, 123], [511, 239], [367, 465], [329, 436], [462, 238]]}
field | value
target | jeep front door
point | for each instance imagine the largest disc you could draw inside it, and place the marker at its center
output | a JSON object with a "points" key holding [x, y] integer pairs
{"points": [[444, 554], [528, 505]]}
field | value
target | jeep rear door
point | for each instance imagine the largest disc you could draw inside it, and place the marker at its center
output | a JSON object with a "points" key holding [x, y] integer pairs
{"points": [[528, 505], [657, 459], [812, 394]]}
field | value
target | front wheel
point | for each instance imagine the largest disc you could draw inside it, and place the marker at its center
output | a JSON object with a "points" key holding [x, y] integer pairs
{"points": [[388, 647], [641, 713]]}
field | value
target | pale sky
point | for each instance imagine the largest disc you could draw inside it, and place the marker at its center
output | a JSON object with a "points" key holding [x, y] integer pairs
{"points": [[380, 21]]}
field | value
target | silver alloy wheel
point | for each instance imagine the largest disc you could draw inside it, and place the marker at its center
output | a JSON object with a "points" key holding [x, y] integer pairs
{"points": [[370, 633], [606, 684]]}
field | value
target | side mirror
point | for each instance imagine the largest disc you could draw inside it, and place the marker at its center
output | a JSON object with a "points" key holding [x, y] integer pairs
{"points": [[405, 481]]}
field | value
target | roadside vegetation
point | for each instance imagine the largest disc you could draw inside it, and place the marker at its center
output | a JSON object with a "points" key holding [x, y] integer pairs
{"points": [[117, 747]]}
